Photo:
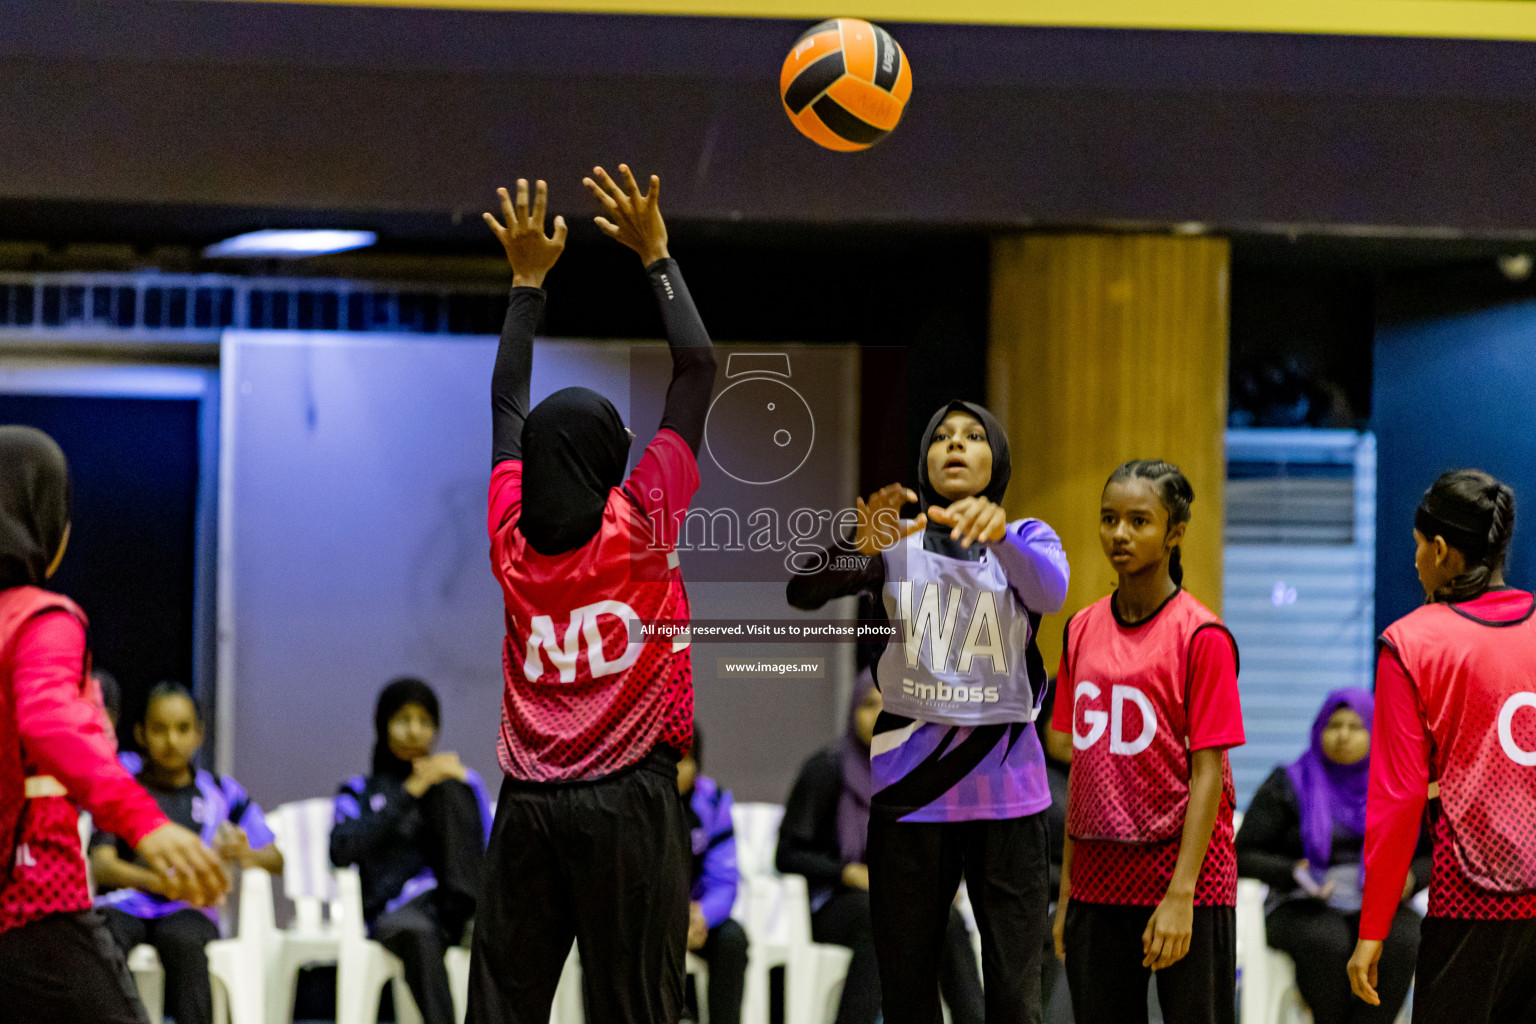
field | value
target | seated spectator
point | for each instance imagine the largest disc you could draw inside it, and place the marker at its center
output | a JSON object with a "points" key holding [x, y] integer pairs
{"points": [[416, 827], [218, 809], [823, 835], [1303, 836], [712, 934]]}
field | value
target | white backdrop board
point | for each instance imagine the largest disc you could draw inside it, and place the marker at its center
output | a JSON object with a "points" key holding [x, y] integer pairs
{"points": [[352, 549]]}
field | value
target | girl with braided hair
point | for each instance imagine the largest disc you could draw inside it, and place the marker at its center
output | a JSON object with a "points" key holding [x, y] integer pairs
{"points": [[1455, 724], [1148, 685]]}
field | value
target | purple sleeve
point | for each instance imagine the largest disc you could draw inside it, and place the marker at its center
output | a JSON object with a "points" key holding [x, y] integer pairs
{"points": [[1036, 566], [719, 880], [250, 816], [477, 786], [257, 832]]}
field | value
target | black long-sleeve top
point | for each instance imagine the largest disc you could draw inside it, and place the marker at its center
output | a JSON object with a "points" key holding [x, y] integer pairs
{"points": [[808, 843], [378, 827], [693, 363], [1269, 843]]}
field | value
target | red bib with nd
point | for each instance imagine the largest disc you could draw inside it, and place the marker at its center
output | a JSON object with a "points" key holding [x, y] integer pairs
{"points": [[584, 698], [1476, 681], [1130, 696]]}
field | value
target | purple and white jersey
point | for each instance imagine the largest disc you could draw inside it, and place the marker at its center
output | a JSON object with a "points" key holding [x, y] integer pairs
{"points": [[208, 802], [936, 758], [962, 634]]}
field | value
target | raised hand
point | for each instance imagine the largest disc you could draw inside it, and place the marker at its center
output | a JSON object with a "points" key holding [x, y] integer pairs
{"points": [[879, 519], [629, 217], [530, 252], [974, 519]]}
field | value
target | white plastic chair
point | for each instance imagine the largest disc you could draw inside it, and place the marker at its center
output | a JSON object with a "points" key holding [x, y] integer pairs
{"points": [[364, 967], [699, 971], [149, 979], [303, 832], [1267, 990], [568, 1006], [775, 911], [457, 962], [238, 966]]}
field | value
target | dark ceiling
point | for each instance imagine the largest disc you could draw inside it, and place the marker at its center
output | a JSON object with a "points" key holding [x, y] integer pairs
{"points": [[164, 122]]}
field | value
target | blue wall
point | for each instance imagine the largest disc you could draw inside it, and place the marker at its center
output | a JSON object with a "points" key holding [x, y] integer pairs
{"points": [[1453, 388]]}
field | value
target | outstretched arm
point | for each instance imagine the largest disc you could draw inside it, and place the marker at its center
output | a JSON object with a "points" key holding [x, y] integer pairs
{"points": [[635, 220], [531, 255]]}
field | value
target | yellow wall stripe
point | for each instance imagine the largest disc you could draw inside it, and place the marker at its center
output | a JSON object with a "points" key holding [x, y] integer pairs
{"points": [[1456, 19]]}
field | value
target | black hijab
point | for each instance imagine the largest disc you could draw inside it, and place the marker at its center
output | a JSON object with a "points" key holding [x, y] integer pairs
{"points": [[937, 535], [394, 697], [574, 450], [34, 504]]}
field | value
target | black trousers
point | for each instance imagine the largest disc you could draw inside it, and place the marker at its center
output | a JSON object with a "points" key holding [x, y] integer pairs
{"points": [[420, 932], [66, 967], [1476, 972], [1321, 941], [179, 938], [605, 863], [725, 950], [1109, 985], [413, 933], [914, 873]]}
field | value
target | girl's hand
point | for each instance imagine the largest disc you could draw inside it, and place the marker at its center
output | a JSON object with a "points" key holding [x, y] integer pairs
{"points": [[1362, 970], [189, 869], [1166, 938], [698, 928], [428, 771], [1302, 872], [232, 844], [1059, 930], [880, 519], [529, 251], [630, 218], [974, 519]]}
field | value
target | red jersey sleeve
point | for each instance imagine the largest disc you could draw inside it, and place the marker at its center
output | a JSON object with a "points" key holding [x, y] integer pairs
{"points": [[65, 735], [1399, 788], [506, 498], [665, 481], [1215, 712], [1061, 711]]}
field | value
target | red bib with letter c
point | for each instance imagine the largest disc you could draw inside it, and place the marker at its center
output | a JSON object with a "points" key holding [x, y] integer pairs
{"points": [[1476, 682]]}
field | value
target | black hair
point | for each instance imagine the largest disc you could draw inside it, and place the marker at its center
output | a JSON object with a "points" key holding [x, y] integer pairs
{"points": [[169, 688], [111, 692], [1475, 514], [1173, 490], [396, 695], [697, 750]]}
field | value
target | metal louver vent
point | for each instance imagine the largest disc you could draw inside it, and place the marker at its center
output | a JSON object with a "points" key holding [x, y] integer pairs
{"points": [[196, 307], [1299, 593]]}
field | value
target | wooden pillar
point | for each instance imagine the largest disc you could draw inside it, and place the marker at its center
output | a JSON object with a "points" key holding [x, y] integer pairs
{"points": [[1106, 348]]}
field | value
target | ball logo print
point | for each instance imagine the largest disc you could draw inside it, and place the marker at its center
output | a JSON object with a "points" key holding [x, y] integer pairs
{"points": [[1113, 722], [759, 429], [845, 84]]}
